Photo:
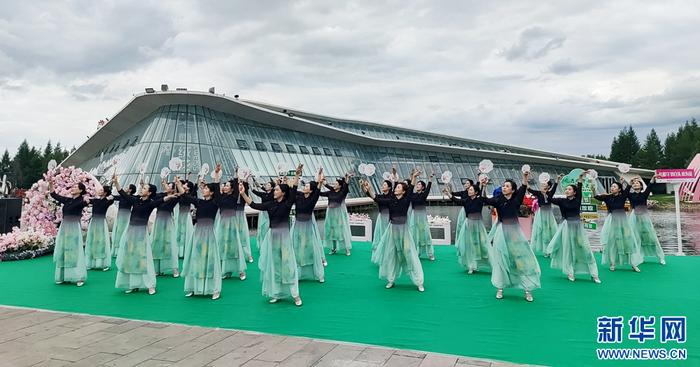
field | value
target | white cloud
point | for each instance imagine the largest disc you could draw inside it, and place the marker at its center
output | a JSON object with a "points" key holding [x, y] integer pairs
{"points": [[563, 76]]}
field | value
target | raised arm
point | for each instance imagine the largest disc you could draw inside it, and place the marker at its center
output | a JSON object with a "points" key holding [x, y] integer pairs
{"points": [[367, 188], [258, 206]]}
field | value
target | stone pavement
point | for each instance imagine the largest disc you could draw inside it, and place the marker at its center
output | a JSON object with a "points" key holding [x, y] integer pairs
{"points": [[30, 337]]}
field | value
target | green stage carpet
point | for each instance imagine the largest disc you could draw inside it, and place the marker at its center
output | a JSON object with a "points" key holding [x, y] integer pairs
{"points": [[457, 314]]}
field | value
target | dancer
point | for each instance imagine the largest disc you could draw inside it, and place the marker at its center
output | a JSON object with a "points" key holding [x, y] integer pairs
{"points": [[640, 221], [164, 234], [544, 226], [513, 264], [277, 262], [122, 219], [135, 268], [202, 265], [337, 222], [462, 217], [242, 223], [265, 195], [620, 245], [472, 244], [183, 217], [68, 253], [397, 251], [308, 247], [229, 232], [382, 223], [98, 251], [420, 225], [569, 248]]}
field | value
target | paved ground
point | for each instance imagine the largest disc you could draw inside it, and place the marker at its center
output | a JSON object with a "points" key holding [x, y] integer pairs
{"points": [[38, 338]]}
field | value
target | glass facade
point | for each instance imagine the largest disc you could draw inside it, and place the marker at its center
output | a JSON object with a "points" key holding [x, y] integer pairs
{"points": [[200, 135]]}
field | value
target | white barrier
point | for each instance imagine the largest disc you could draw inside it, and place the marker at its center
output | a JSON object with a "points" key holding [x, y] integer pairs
{"points": [[361, 230], [441, 233]]}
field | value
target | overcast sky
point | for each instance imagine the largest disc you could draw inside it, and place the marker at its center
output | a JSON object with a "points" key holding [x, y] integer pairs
{"points": [[563, 77]]}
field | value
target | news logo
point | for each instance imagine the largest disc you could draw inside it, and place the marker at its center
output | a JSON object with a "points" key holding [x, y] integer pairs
{"points": [[639, 328]]}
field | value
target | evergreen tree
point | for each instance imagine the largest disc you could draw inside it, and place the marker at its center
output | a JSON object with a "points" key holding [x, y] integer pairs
{"points": [[27, 165], [625, 147], [683, 145], [6, 164], [651, 156]]}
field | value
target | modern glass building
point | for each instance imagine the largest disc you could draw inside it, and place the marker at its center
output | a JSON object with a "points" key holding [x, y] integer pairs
{"points": [[200, 127]]}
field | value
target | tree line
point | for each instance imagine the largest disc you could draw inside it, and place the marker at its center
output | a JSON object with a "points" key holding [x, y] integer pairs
{"points": [[677, 150], [29, 163]]}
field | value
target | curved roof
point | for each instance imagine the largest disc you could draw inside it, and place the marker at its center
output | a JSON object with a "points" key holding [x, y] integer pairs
{"points": [[141, 105]]}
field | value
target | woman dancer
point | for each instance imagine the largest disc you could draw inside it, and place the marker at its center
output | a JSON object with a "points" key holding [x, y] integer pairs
{"points": [[183, 217], [397, 251], [97, 247], [513, 264], [202, 265], [277, 263], [135, 258], [620, 245], [164, 234], [420, 225], [640, 221], [569, 248], [229, 233], [308, 247], [68, 253], [472, 244], [462, 217], [337, 222], [242, 223], [265, 195], [382, 223], [544, 225], [122, 219]]}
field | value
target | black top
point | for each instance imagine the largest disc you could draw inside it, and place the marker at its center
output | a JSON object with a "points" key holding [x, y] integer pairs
{"points": [[508, 209], [71, 206], [206, 209], [278, 211], [470, 205], [398, 208], [614, 202], [383, 202], [124, 204], [140, 209], [230, 201], [570, 208], [544, 200], [418, 199], [462, 194], [264, 195], [100, 206], [305, 205], [335, 198], [166, 206], [639, 198]]}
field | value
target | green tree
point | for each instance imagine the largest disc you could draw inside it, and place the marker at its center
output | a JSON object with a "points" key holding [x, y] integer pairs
{"points": [[651, 156], [625, 146], [683, 145], [59, 154], [27, 165], [6, 164]]}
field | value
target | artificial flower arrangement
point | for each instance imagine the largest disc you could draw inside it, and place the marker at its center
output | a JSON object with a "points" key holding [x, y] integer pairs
{"points": [[438, 220], [20, 244], [358, 217], [41, 214]]}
